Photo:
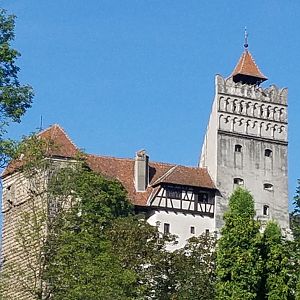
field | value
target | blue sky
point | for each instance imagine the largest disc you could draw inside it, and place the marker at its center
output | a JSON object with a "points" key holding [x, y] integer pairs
{"points": [[119, 76]]}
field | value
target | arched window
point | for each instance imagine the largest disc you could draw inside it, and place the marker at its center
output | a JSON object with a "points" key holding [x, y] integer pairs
{"points": [[238, 181], [268, 186], [266, 210], [237, 148]]}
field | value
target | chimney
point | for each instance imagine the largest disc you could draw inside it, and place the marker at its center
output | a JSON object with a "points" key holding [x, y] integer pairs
{"points": [[141, 171]]}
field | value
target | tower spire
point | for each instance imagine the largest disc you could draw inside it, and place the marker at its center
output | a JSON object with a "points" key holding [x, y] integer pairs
{"points": [[246, 39], [246, 70]]}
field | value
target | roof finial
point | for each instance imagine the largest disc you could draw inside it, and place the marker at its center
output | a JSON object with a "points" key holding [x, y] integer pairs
{"points": [[246, 39]]}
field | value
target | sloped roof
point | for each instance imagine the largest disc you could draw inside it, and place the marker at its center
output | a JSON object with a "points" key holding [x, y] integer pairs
{"points": [[122, 169], [247, 66], [191, 176], [62, 147]]}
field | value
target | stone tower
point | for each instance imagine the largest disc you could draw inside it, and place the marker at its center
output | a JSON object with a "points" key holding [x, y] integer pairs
{"points": [[246, 142]]}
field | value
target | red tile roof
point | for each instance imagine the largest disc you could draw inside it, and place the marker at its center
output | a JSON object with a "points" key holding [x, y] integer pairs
{"points": [[247, 66], [62, 147], [123, 169]]}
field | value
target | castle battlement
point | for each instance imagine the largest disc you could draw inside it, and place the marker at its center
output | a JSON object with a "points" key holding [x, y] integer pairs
{"points": [[271, 94]]}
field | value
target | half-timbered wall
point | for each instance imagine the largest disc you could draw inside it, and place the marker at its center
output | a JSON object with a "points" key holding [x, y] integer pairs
{"points": [[187, 211], [184, 198]]}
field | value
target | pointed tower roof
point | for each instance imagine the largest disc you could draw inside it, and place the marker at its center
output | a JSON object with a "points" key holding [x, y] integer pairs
{"points": [[247, 71], [61, 146]]}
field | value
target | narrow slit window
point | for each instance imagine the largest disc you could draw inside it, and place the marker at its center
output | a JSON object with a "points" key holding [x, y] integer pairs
{"points": [[237, 148], [207, 231], [10, 194], [268, 153], [192, 230], [268, 186], [166, 228], [266, 210]]}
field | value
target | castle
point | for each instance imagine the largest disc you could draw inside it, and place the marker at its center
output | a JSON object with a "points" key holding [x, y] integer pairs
{"points": [[245, 145]]}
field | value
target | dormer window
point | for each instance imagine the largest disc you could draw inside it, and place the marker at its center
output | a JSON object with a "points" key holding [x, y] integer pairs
{"points": [[268, 153], [238, 181], [266, 210], [237, 148], [268, 186]]}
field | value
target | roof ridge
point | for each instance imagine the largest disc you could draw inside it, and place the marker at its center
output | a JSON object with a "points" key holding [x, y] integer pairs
{"points": [[164, 176], [243, 60], [150, 162], [67, 136], [108, 156], [46, 129], [253, 60], [54, 126]]}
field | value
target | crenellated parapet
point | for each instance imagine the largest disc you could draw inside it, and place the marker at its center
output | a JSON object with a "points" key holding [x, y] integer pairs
{"points": [[271, 94], [251, 110]]}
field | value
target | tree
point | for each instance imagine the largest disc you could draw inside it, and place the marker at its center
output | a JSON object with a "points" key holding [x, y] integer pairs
{"points": [[295, 216], [15, 98], [187, 273], [276, 273], [29, 211], [194, 269], [141, 248], [81, 263], [295, 245], [239, 262]]}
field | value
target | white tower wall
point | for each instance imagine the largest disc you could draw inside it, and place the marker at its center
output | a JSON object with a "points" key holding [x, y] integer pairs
{"points": [[246, 143]]}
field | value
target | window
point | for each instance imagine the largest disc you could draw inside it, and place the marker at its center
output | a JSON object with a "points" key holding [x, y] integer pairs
{"points": [[207, 231], [268, 186], [238, 181], [268, 153], [192, 230], [10, 194], [266, 210], [203, 197], [237, 148], [173, 193], [166, 228]]}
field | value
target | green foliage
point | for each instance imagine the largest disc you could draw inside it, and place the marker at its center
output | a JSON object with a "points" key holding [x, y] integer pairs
{"points": [[239, 263], [81, 262], [194, 269], [275, 279], [15, 98], [295, 217], [141, 249], [295, 226]]}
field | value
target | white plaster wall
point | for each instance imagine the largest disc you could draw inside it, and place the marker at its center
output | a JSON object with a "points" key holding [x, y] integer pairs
{"points": [[209, 148], [180, 225], [256, 169]]}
